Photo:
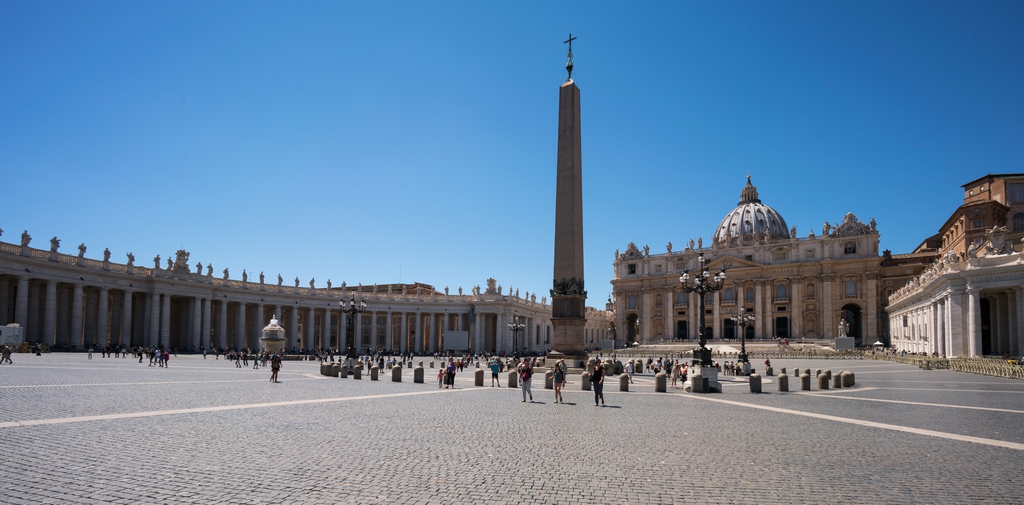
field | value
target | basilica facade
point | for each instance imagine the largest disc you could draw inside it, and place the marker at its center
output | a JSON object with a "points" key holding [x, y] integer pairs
{"points": [[63, 301], [795, 287]]}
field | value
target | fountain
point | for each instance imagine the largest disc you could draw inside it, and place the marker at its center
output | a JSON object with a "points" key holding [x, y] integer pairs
{"points": [[273, 337]]}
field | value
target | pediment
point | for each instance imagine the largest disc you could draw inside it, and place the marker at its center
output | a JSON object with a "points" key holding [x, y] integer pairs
{"points": [[730, 263]]}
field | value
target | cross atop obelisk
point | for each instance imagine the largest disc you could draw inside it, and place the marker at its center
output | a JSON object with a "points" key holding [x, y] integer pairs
{"points": [[568, 65], [568, 291]]}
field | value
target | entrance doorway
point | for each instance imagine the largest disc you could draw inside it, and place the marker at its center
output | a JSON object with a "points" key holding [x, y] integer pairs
{"points": [[682, 330], [781, 327], [632, 323], [851, 314], [729, 329]]}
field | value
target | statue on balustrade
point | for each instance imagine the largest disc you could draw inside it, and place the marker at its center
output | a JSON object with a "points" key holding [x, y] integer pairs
{"points": [[131, 259], [209, 269], [170, 264], [312, 283], [81, 250], [460, 290], [296, 283], [328, 286], [668, 247], [261, 278], [225, 274], [700, 243], [25, 238], [156, 262], [446, 291], [280, 280], [199, 268], [54, 244], [245, 276], [106, 254]]}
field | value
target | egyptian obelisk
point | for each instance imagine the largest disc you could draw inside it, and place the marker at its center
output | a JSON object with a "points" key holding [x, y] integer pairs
{"points": [[568, 296]]}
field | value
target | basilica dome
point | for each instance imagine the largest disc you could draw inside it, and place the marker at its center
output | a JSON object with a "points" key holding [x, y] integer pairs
{"points": [[750, 222]]}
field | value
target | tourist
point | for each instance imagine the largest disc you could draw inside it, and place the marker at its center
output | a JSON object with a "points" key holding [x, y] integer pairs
{"points": [[675, 373], [275, 366], [90, 352], [525, 376], [450, 372], [558, 379], [494, 372], [5, 355], [597, 382], [440, 377], [629, 371], [166, 360]]}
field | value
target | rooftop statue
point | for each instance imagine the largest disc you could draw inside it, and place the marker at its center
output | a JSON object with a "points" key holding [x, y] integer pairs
{"points": [[131, 259], [54, 244], [25, 238], [81, 250]]}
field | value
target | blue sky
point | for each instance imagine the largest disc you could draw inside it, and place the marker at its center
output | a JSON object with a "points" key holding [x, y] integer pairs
{"points": [[415, 141]]}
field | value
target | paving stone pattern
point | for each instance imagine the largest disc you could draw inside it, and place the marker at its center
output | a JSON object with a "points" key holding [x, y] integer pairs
{"points": [[386, 442]]}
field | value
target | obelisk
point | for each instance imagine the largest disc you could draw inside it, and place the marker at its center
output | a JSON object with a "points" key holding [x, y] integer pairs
{"points": [[568, 296]]}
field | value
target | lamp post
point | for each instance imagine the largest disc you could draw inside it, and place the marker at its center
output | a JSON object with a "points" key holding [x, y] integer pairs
{"points": [[351, 307], [743, 321], [703, 283], [515, 327]]}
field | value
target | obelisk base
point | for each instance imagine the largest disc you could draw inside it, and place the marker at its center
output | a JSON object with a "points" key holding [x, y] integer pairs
{"points": [[567, 340]]}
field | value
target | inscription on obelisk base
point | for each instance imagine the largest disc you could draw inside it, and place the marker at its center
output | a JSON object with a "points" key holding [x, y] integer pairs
{"points": [[568, 293]]}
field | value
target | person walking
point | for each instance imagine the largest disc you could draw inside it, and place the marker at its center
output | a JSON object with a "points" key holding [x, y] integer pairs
{"points": [[630, 371], [275, 366], [440, 377], [450, 374], [558, 379], [6, 355], [494, 372], [597, 382], [675, 374], [525, 376]]}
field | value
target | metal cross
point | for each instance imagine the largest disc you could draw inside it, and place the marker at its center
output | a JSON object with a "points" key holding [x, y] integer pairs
{"points": [[571, 38]]}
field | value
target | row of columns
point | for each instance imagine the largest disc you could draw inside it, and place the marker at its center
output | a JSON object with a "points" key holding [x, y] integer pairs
{"points": [[951, 325]]}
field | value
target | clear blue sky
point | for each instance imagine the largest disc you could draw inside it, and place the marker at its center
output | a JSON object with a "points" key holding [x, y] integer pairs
{"points": [[343, 139]]}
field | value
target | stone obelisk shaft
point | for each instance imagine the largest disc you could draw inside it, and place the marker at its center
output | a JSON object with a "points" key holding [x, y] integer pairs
{"points": [[568, 296]]}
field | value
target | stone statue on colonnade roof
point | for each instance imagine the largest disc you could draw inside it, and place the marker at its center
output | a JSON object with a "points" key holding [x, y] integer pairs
{"points": [[54, 244], [81, 250], [131, 259], [25, 238]]}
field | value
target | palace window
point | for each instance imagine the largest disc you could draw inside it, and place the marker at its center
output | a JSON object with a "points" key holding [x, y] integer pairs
{"points": [[809, 254], [780, 291], [749, 257], [657, 300], [631, 303], [749, 295], [681, 298], [979, 223], [851, 288], [810, 291], [1015, 192], [709, 299], [1018, 221], [850, 248], [631, 268], [781, 256], [657, 269], [729, 295]]}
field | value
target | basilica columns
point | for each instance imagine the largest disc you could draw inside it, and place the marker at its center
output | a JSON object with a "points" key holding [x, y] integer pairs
{"points": [[126, 319], [50, 314], [102, 328], [76, 315], [204, 340], [165, 322]]}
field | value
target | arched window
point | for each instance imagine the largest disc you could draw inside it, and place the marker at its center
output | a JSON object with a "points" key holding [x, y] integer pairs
{"points": [[851, 288], [1018, 221], [750, 295], [810, 291], [780, 291], [681, 298], [631, 304], [729, 296], [708, 299], [657, 300]]}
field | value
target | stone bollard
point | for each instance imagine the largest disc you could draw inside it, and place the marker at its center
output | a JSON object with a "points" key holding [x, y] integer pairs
{"points": [[828, 373], [807, 371], [755, 383], [417, 375], [768, 371], [591, 363], [697, 383], [513, 379], [817, 373], [805, 382], [396, 374], [659, 382], [585, 381], [782, 370], [623, 382], [478, 377], [837, 381], [848, 379], [431, 363], [549, 379], [783, 382], [343, 372], [334, 369], [609, 368], [357, 373], [822, 381], [374, 372], [323, 368], [410, 364]]}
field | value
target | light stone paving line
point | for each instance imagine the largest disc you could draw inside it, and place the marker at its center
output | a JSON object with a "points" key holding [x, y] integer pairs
{"points": [[991, 409], [833, 391], [957, 390], [154, 413], [133, 383], [869, 424]]}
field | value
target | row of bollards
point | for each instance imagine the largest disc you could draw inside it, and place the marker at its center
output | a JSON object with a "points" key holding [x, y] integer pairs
{"points": [[825, 379]]}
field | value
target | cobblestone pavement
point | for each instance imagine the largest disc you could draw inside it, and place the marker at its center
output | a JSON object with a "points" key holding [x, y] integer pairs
{"points": [[111, 430]]}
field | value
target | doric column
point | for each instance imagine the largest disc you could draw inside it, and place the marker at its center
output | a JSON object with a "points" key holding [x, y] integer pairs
{"points": [[796, 300], [293, 327], [258, 327], [197, 322], [373, 330], [389, 344], [646, 316], [50, 314], [940, 327], [21, 303], [89, 324], [5, 290], [63, 314], [76, 315], [204, 335], [357, 331], [1018, 343], [222, 324], [310, 328], [973, 322], [716, 317], [102, 328], [126, 319], [165, 322], [403, 342], [240, 336], [1003, 318], [869, 330], [153, 332]]}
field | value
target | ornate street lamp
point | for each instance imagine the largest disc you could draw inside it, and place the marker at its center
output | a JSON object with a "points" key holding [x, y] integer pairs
{"points": [[743, 322], [515, 327], [703, 283], [351, 307]]}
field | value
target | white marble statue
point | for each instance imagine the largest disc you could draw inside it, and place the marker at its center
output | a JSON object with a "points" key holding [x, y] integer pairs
{"points": [[245, 276], [54, 244], [131, 259], [81, 250], [199, 268], [25, 238], [280, 280]]}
